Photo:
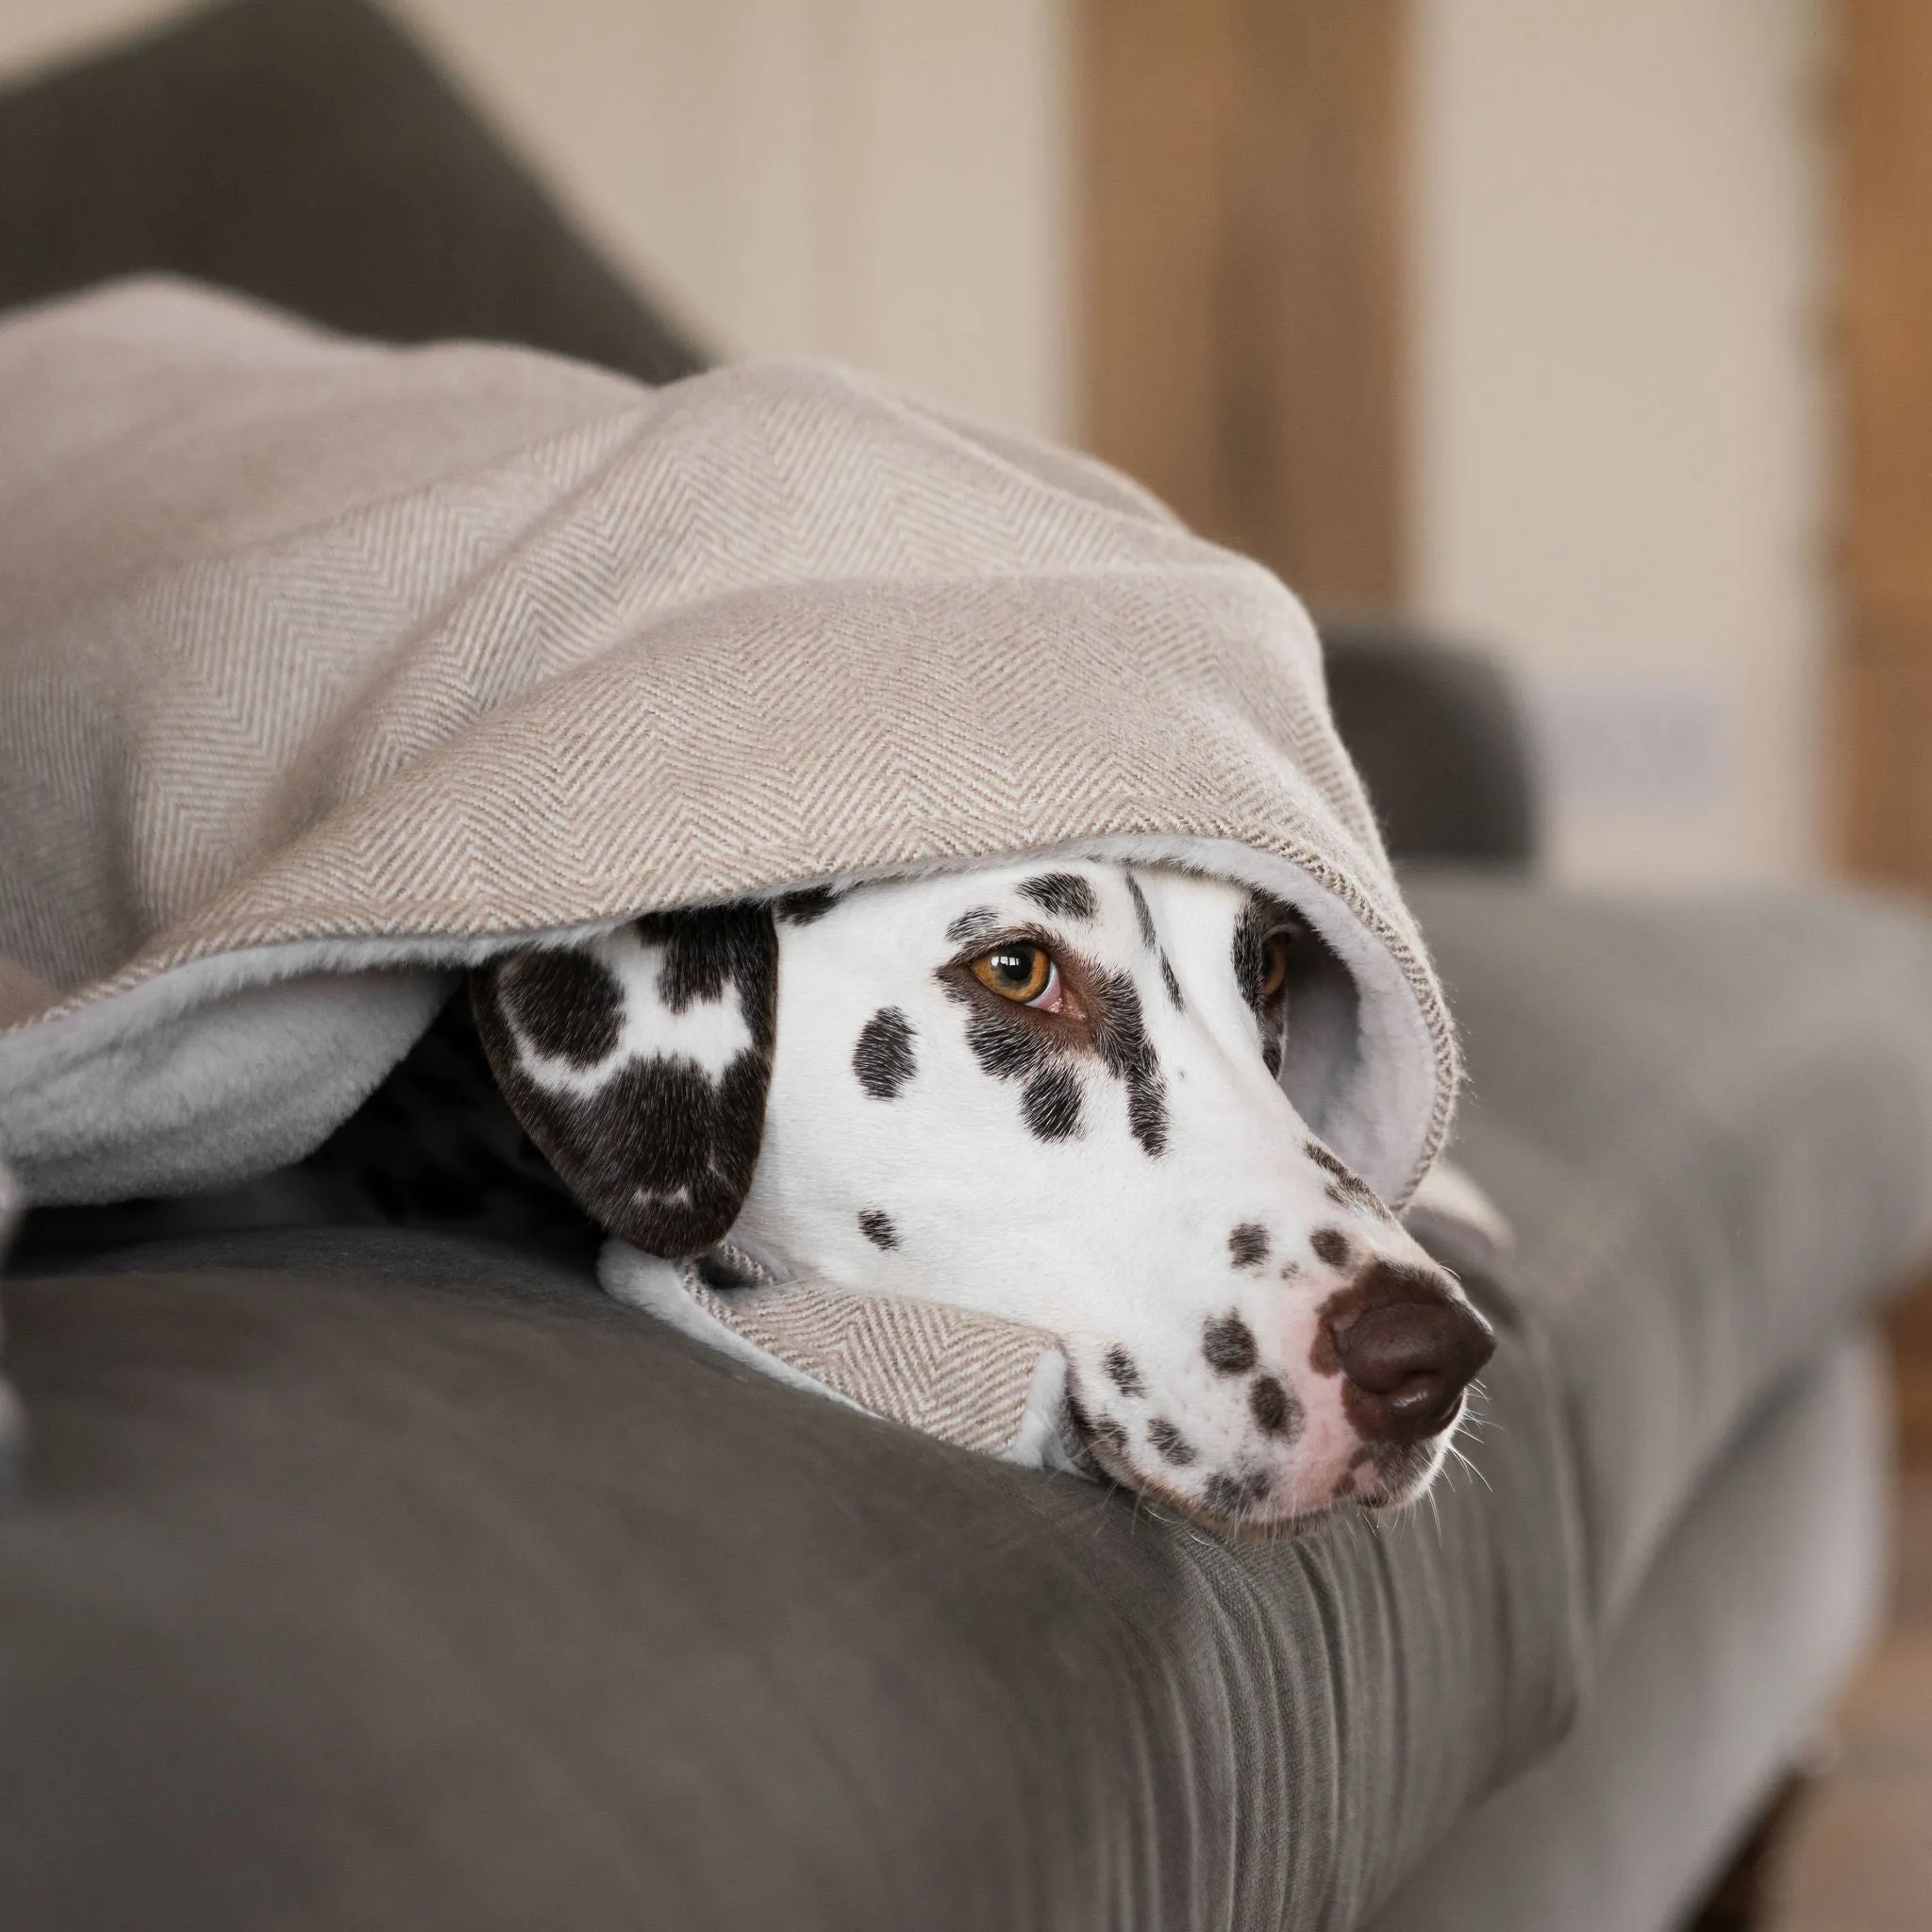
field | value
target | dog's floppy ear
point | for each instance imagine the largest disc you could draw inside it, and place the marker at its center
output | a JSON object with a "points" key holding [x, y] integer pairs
{"points": [[639, 1061]]}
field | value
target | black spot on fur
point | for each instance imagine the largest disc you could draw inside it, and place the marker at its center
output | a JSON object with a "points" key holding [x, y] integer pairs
{"points": [[1330, 1246], [1276, 1412], [1173, 986], [980, 922], [1123, 1372], [1327, 1162], [1007, 1049], [1052, 1104], [1109, 1432], [1010, 1049], [567, 1004], [1228, 1494], [1359, 1200], [1346, 1188], [878, 1228], [660, 1153], [1065, 894], [1247, 1244], [883, 1058], [712, 949], [1141, 915], [1229, 1344], [1170, 1444], [1120, 1037], [802, 907]]}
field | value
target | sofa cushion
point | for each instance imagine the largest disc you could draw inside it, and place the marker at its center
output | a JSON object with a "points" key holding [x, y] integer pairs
{"points": [[305, 152], [366, 1579], [1710, 1123]]}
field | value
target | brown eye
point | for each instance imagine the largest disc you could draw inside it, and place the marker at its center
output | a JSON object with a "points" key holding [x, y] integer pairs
{"points": [[1018, 971], [1274, 964]]}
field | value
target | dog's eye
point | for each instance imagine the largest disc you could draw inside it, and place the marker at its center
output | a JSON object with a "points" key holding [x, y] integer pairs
{"points": [[1019, 971], [1275, 952]]}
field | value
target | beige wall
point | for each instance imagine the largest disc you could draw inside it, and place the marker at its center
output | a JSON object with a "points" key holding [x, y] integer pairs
{"points": [[1620, 441], [880, 180]]}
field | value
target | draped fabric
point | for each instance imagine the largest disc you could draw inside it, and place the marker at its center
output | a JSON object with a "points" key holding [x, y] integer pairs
{"points": [[327, 666]]}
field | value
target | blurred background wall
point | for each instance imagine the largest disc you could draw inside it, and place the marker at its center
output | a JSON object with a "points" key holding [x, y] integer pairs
{"points": [[1620, 452], [1507, 315]]}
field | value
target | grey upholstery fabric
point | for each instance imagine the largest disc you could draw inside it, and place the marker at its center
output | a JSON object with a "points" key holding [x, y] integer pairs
{"points": [[1712, 1124], [1740, 1636], [376, 1578], [389, 1582]]}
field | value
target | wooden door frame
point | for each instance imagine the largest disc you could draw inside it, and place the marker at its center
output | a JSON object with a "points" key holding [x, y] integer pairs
{"points": [[1243, 168]]}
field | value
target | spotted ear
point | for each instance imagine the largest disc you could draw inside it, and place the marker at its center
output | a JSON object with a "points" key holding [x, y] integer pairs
{"points": [[639, 1062]]}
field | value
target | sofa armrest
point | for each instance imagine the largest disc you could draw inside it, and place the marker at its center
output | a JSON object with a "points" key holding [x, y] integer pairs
{"points": [[1439, 739]]}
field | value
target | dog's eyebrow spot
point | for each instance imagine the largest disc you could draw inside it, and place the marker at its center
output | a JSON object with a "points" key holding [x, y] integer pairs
{"points": [[1141, 914], [1051, 1102], [803, 906], [1063, 893], [1170, 1444], [567, 1004], [1276, 1412], [1229, 1344], [878, 1228], [1120, 1038], [1172, 984], [1247, 1244], [1228, 1494], [1123, 1372], [1330, 1246], [883, 1058], [978, 923]]}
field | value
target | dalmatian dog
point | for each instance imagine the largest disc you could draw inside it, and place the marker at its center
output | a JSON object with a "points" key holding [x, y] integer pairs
{"points": [[1063, 1095]]}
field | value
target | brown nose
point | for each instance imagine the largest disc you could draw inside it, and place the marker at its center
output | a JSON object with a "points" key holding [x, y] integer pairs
{"points": [[1410, 1362]]}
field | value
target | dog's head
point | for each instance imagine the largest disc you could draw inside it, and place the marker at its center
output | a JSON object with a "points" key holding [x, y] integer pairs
{"points": [[1060, 1094]]}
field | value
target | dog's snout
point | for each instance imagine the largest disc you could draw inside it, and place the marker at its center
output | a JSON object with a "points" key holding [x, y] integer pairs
{"points": [[1407, 1360]]}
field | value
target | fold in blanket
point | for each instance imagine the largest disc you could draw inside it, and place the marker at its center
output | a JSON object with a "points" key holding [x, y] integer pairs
{"points": [[328, 668]]}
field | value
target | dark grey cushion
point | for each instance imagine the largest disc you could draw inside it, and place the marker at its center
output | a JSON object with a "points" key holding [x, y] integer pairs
{"points": [[1437, 734], [391, 1582], [304, 151]]}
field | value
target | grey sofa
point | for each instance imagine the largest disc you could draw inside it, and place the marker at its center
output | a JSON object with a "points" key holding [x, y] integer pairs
{"points": [[364, 1575]]}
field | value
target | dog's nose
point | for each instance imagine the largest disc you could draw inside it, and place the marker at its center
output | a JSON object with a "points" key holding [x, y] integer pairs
{"points": [[1409, 1361]]}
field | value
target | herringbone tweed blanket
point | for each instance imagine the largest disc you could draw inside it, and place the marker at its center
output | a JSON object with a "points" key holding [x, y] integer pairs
{"points": [[326, 668]]}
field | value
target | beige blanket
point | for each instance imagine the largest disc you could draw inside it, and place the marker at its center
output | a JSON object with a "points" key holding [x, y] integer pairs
{"points": [[326, 667]]}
